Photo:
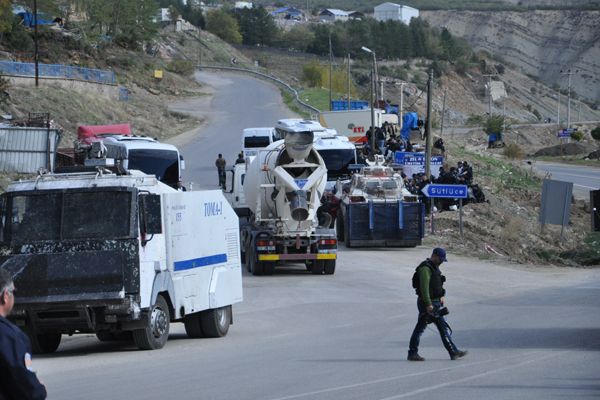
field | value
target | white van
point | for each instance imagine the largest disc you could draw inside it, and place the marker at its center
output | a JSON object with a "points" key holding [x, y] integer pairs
{"points": [[254, 139]]}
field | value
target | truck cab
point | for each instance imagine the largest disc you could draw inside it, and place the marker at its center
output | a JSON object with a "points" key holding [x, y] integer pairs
{"points": [[118, 254]]}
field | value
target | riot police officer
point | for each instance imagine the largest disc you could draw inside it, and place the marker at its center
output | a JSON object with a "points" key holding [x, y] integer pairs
{"points": [[17, 380], [428, 282]]}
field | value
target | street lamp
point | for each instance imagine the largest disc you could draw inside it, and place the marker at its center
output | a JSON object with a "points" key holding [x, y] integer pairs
{"points": [[373, 139]]}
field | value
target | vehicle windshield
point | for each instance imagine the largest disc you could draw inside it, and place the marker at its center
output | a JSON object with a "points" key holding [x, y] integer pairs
{"points": [[164, 164], [337, 162], [67, 216], [256, 141]]}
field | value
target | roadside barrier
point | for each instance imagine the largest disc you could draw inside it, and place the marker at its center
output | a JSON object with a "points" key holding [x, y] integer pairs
{"points": [[58, 71], [310, 108]]}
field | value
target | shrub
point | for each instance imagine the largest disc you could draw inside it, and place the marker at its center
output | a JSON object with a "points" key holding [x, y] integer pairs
{"points": [[537, 114], [475, 120], [311, 75], [513, 151], [596, 133], [577, 136], [182, 67]]}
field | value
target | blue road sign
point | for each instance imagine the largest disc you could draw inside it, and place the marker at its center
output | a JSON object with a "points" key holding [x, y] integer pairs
{"points": [[446, 191], [565, 133]]}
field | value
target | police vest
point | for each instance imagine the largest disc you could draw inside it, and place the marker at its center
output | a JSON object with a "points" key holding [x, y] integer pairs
{"points": [[436, 282]]}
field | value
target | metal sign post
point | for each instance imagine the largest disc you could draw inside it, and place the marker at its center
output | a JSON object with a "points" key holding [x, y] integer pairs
{"points": [[447, 192]]}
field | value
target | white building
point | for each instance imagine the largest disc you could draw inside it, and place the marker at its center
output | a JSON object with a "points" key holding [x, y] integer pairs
{"points": [[243, 4], [395, 12], [332, 15]]}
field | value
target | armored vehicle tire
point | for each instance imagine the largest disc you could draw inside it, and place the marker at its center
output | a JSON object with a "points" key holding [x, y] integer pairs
{"points": [[339, 227], [155, 334], [44, 343], [215, 322], [329, 267], [193, 325], [318, 267]]}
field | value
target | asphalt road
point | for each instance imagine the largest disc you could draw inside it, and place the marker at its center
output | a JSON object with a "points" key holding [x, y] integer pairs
{"points": [[238, 102], [584, 178], [531, 332]]}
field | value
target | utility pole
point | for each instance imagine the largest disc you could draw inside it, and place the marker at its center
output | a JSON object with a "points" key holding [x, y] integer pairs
{"points": [[569, 73], [558, 109], [200, 48], [428, 126], [330, 72], [443, 112], [348, 81], [373, 139], [35, 40], [489, 87], [401, 105]]}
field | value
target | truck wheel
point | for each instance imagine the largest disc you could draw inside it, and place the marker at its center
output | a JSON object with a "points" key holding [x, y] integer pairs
{"points": [[155, 334], [258, 268], [339, 227], [44, 343], [318, 267], [269, 267], [193, 326], [249, 257], [309, 265], [329, 267], [215, 322]]}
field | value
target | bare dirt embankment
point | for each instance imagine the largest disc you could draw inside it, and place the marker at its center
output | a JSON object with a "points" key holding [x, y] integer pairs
{"points": [[541, 43]]}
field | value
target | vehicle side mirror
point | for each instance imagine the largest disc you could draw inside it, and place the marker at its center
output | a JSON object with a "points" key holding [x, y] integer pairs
{"points": [[150, 214]]}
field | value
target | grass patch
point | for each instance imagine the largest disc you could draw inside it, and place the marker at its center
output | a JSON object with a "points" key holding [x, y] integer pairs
{"points": [[292, 104], [501, 174], [318, 97]]}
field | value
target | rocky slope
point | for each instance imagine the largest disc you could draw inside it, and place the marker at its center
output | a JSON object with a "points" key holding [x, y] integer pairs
{"points": [[541, 43]]}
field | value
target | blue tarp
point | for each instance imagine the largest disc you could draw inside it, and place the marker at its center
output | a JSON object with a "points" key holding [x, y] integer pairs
{"points": [[391, 108], [29, 20], [410, 121]]}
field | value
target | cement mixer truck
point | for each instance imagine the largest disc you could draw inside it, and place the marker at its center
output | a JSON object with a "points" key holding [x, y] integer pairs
{"points": [[283, 186]]}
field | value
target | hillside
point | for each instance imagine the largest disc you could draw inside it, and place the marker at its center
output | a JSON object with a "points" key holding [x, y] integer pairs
{"points": [[541, 43], [146, 106]]}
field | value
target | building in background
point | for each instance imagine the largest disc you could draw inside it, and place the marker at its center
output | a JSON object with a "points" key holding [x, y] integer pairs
{"points": [[395, 12], [332, 15], [243, 4]]}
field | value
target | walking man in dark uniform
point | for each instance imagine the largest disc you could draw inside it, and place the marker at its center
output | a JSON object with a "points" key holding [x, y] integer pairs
{"points": [[220, 163], [17, 380], [428, 282]]}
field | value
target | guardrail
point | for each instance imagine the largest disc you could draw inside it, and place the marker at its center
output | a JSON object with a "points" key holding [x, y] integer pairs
{"points": [[58, 71], [266, 76]]}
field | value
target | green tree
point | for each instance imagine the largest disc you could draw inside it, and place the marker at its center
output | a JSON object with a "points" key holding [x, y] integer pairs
{"points": [[225, 26], [193, 14], [495, 124], [6, 16], [128, 22], [311, 74], [596, 133], [297, 38], [257, 26]]}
